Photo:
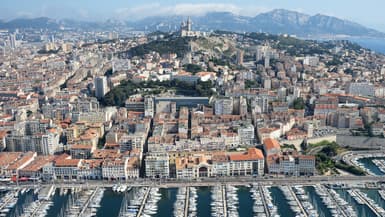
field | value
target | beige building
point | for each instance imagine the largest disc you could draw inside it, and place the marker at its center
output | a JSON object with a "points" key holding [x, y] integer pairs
{"points": [[216, 164]]}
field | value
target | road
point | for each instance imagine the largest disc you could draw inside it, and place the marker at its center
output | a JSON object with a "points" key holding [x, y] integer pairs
{"points": [[213, 181]]}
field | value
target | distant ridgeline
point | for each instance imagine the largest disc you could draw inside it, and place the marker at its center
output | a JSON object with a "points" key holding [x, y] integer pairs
{"points": [[275, 22]]}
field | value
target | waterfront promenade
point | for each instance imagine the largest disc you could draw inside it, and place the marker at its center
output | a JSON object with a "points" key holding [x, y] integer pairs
{"points": [[212, 181]]}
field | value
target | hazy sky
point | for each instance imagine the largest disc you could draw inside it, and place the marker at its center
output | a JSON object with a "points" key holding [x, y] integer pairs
{"points": [[366, 12]]}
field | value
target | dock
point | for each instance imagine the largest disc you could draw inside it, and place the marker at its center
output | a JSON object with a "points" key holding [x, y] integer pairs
{"points": [[367, 203], [46, 192], [224, 201], [85, 207], [143, 202], [38, 209], [186, 203], [341, 211], [34, 213], [262, 192], [6, 202], [298, 202]]}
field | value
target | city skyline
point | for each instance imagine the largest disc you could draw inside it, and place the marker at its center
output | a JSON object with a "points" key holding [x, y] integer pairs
{"points": [[359, 11]]}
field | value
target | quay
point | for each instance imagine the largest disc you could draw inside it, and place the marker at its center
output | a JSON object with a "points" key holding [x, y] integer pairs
{"points": [[214, 182], [143, 202]]}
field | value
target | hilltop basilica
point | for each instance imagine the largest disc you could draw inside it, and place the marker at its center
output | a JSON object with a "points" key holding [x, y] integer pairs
{"points": [[186, 29]]}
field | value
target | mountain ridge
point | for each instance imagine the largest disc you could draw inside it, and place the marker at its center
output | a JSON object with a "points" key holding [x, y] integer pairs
{"points": [[278, 21]]}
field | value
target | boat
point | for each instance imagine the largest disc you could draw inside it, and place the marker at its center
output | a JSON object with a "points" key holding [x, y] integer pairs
{"points": [[382, 194], [114, 188]]}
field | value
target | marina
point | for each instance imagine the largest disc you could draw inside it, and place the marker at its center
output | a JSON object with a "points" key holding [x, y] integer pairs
{"points": [[303, 201], [283, 206], [373, 164], [317, 201], [167, 201], [359, 209], [222, 200]]}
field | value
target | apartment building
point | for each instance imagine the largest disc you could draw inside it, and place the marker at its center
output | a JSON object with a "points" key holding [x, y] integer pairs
{"points": [[157, 165]]}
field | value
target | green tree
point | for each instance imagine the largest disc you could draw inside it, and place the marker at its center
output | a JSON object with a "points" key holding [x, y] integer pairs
{"points": [[193, 68], [299, 104]]}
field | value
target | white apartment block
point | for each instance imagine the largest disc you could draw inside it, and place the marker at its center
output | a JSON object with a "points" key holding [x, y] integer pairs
{"points": [[157, 165]]}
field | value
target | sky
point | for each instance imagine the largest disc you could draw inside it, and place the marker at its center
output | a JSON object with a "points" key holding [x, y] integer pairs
{"points": [[366, 12]]}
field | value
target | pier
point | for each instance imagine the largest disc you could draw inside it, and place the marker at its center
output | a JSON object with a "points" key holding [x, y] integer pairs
{"points": [[35, 211], [298, 202], [367, 203], [85, 207], [5, 203], [262, 193], [224, 201], [186, 203], [46, 192], [341, 211], [143, 202]]}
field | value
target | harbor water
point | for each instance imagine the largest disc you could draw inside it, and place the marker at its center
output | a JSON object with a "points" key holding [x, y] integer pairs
{"points": [[243, 201], [281, 203], [316, 200], [368, 163], [245, 207], [166, 203], [204, 201], [110, 204], [361, 210]]}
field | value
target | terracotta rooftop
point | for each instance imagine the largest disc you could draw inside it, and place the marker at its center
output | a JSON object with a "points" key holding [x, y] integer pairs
{"points": [[113, 162], [61, 157], [81, 146], [270, 143], [18, 163], [306, 157], [133, 162], [220, 157], [38, 163], [67, 163], [7, 158], [111, 145], [91, 163], [251, 154], [106, 153]]}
